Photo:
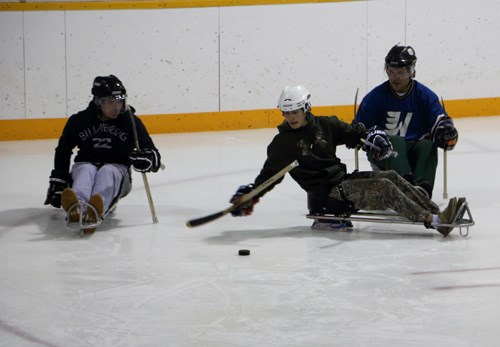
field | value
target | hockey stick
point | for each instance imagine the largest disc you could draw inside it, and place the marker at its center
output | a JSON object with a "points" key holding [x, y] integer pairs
{"points": [[356, 150], [445, 164], [144, 177], [445, 174], [244, 198]]}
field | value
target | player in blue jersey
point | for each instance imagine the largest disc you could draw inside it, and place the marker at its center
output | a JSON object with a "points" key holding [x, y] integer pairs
{"points": [[411, 114]]}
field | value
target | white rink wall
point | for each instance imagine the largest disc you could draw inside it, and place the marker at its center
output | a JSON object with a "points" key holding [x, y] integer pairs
{"points": [[210, 59]]}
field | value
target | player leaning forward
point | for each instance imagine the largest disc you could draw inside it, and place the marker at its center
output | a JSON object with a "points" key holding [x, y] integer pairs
{"points": [[100, 175], [312, 141]]}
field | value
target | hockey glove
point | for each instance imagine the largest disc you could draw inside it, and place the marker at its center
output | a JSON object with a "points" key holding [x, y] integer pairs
{"points": [[145, 160], [56, 186], [444, 134], [360, 130], [247, 208], [378, 144]]}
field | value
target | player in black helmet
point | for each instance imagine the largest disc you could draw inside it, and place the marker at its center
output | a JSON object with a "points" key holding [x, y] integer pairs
{"points": [[412, 116], [100, 175]]}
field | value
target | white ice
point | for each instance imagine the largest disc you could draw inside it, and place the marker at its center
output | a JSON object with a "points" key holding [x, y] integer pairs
{"points": [[135, 283]]}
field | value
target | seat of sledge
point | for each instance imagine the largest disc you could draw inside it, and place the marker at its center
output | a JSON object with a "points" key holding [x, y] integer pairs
{"points": [[462, 220]]}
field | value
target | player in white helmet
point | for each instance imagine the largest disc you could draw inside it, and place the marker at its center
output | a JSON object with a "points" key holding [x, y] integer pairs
{"points": [[312, 141]]}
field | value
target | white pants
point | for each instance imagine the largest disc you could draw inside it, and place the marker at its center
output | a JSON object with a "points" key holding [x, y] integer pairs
{"points": [[106, 181]]}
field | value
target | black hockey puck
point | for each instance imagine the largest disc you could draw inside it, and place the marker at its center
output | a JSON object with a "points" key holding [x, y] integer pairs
{"points": [[244, 252]]}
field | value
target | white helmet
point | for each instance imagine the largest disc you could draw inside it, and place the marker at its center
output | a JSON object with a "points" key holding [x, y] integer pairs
{"points": [[294, 97]]}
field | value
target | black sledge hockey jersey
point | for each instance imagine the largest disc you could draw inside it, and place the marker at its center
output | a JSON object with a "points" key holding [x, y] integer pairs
{"points": [[98, 141]]}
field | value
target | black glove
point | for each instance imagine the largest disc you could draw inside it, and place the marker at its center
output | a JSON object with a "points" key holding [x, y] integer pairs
{"points": [[145, 160], [247, 208], [444, 134], [360, 130], [378, 144], [56, 187]]}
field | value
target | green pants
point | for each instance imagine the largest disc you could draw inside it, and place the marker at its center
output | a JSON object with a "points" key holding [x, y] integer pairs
{"points": [[416, 160]]}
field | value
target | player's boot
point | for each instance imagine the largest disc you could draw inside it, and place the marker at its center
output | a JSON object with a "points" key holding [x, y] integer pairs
{"points": [[448, 216], [93, 214], [69, 202], [336, 225]]}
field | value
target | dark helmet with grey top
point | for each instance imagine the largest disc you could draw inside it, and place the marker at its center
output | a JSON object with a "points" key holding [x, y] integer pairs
{"points": [[108, 87], [401, 56]]}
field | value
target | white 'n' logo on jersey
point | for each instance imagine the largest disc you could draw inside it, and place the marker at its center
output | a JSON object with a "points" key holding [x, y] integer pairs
{"points": [[394, 126]]}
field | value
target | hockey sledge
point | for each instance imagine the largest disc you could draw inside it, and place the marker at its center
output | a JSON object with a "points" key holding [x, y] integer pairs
{"points": [[462, 220], [82, 224]]}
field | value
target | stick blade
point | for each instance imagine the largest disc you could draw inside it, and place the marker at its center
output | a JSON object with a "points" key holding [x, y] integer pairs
{"points": [[203, 220]]}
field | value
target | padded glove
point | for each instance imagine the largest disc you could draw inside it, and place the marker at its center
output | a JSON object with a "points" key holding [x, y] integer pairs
{"points": [[56, 187], [145, 160], [378, 144], [247, 208], [444, 134]]}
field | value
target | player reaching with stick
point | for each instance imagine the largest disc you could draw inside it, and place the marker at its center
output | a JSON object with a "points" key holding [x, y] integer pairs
{"points": [[100, 175], [312, 141]]}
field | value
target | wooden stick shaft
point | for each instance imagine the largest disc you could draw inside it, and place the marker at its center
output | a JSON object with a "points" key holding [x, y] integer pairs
{"points": [[356, 150], [445, 174], [356, 158], [244, 198], [445, 164], [144, 177]]}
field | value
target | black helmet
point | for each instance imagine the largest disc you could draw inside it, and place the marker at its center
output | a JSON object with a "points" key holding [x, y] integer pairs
{"points": [[400, 56], [106, 86]]}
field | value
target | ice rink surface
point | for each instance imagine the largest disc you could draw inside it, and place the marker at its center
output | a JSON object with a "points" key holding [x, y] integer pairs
{"points": [[134, 283]]}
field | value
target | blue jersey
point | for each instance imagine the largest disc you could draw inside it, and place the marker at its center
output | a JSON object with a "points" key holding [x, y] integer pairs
{"points": [[411, 116]]}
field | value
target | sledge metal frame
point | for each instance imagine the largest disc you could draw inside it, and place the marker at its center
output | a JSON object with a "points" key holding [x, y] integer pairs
{"points": [[461, 221], [82, 224]]}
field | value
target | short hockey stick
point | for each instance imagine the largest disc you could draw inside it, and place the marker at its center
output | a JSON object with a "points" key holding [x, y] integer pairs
{"points": [[356, 150], [144, 177], [244, 198], [445, 164]]}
